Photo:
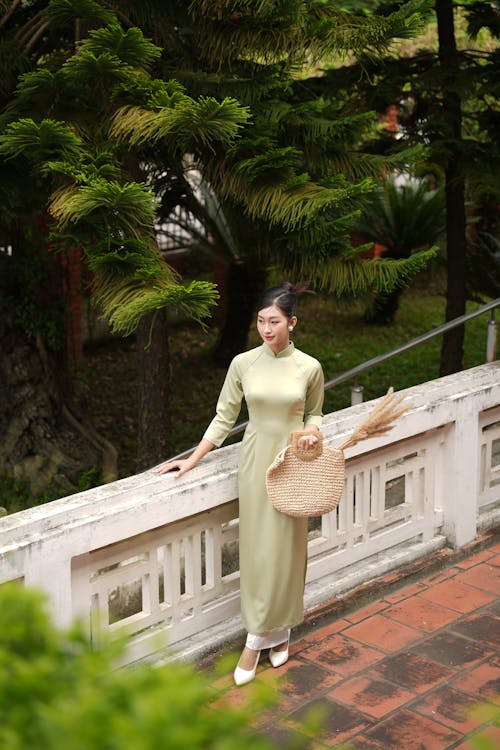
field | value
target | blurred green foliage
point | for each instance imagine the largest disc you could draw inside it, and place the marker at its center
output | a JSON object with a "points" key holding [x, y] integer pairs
{"points": [[59, 693]]}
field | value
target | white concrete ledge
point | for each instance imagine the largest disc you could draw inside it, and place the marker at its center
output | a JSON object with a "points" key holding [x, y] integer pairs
{"points": [[163, 540]]}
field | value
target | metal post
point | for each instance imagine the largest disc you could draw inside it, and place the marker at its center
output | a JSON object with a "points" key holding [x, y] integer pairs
{"points": [[491, 339], [356, 394]]}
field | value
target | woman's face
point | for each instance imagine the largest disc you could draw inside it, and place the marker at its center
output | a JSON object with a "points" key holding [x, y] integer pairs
{"points": [[272, 325]]}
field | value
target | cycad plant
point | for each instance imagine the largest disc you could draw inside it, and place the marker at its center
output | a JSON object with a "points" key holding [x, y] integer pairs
{"points": [[404, 215]]}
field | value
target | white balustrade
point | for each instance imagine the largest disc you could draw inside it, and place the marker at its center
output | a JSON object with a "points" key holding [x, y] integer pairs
{"points": [[157, 556]]}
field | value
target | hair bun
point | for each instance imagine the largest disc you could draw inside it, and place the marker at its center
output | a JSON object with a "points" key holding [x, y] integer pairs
{"points": [[302, 287]]}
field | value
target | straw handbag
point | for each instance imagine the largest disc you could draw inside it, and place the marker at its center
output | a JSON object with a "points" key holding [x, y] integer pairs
{"points": [[310, 482]]}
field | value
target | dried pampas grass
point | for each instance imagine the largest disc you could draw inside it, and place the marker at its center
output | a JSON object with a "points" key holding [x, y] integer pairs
{"points": [[380, 420]]}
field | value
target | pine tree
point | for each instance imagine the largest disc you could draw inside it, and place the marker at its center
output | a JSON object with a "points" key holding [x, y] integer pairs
{"points": [[447, 95], [106, 129], [288, 189], [89, 186]]}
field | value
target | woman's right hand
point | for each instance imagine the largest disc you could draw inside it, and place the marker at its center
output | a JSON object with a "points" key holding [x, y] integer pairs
{"points": [[180, 466], [184, 464]]}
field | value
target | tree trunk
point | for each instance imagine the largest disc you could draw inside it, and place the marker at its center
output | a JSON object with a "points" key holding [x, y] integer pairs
{"points": [[456, 244], [44, 442], [243, 286], [154, 390]]}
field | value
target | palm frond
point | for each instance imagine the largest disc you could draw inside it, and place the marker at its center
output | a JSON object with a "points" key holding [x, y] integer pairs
{"points": [[404, 216]]}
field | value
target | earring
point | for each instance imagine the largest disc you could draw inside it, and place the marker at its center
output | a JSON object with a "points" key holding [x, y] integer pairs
{"points": [[290, 328]]}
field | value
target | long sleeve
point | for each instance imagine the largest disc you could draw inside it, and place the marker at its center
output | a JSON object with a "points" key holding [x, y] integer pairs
{"points": [[228, 406], [313, 411]]}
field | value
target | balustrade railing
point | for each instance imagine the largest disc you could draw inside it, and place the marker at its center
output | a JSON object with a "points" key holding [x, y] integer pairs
{"points": [[157, 556]]}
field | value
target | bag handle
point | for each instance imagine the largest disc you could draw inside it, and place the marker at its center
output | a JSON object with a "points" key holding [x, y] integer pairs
{"points": [[311, 453]]}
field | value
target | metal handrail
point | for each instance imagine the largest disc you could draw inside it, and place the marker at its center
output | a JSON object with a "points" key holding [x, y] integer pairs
{"points": [[355, 371]]}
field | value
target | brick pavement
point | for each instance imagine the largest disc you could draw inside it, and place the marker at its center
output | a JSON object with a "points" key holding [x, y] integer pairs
{"points": [[405, 672]]}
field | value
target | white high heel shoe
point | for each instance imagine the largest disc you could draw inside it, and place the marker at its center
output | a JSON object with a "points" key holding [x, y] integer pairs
{"points": [[278, 658], [242, 676]]}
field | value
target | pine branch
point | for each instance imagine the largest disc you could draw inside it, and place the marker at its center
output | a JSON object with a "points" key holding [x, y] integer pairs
{"points": [[128, 206], [186, 123], [38, 141], [61, 13], [130, 46], [269, 189], [353, 276], [124, 304]]}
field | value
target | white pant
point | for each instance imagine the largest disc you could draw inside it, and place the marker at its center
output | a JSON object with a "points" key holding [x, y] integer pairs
{"points": [[258, 642]]}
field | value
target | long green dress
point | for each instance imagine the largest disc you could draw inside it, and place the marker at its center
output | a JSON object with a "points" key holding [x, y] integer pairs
{"points": [[283, 392]]}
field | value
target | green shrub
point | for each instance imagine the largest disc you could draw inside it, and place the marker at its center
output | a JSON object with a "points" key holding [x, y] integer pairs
{"points": [[58, 693]]}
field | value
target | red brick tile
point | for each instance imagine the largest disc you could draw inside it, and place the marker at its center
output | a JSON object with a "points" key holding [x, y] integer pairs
{"points": [[365, 612], [342, 655], [456, 595], [482, 627], [281, 736], [383, 633], [371, 694], [482, 682], [484, 577], [490, 735], [413, 672], [494, 561], [338, 725], [455, 709], [359, 742], [452, 650], [444, 575], [479, 557], [322, 633], [421, 613], [408, 591], [303, 680], [409, 731]]}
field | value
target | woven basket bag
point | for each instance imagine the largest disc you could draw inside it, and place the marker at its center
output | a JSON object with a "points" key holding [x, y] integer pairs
{"points": [[310, 482], [306, 482]]}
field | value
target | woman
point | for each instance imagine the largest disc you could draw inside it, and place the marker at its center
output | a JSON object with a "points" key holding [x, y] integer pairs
{"points": [[283, 389]]}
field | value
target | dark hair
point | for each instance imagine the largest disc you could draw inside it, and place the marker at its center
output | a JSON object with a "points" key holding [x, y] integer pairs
{"points": [[284, 297]]}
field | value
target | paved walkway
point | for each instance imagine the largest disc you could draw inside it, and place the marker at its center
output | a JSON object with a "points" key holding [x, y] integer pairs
{"points": [[406, 672]]}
